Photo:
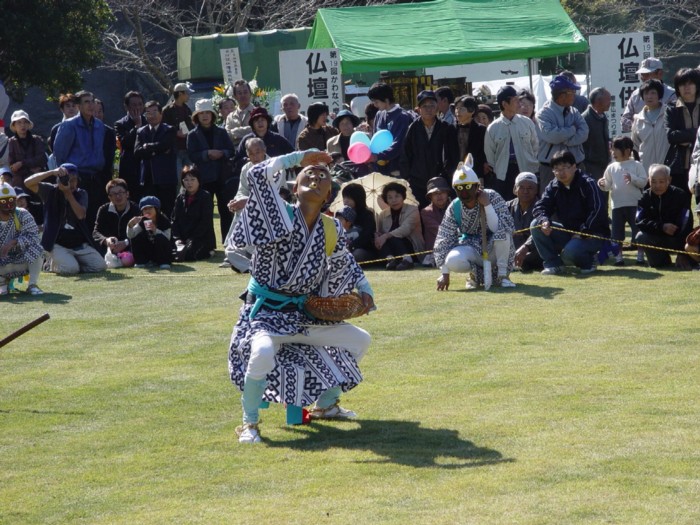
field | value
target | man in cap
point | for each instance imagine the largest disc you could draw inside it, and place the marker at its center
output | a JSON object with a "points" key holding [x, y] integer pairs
{"points": [[459, 246], [299, 252], [651, 68], [580, 102], [510, 144], [20, 249], [80, 141], [178, 115], [431, 216], [526, 256], [578, 205], [561, 127], [430, 148], [66, 236]]}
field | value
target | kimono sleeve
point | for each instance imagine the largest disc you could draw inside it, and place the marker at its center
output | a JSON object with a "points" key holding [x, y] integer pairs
{"points": [[265, 218]]}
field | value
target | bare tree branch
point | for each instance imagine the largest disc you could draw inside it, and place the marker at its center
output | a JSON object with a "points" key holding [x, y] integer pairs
{"points": [[145, 34]]}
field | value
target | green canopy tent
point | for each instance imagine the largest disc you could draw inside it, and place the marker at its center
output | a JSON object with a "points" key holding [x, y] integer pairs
{"points": [[445, 33], [199, 57]]}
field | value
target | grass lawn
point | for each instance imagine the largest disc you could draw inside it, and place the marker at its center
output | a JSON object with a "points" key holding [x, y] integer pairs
{"points": [[565, 400]]}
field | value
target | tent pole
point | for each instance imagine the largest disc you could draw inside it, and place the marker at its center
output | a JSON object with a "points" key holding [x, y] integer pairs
{"points": [[529, 70], [588, 71]]}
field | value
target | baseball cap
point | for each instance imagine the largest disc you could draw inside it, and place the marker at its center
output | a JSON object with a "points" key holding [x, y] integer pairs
{"points": [[649, 65], [182, 86], [561, 83], [426, 94]]}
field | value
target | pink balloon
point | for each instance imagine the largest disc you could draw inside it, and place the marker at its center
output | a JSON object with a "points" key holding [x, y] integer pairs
{"points": [[127, 259], [359, 153]]}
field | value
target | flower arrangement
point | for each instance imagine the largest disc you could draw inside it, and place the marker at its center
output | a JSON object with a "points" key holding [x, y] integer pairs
{"points": [[261, 96]]}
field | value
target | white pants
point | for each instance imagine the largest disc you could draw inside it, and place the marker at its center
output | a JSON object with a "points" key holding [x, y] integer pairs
{"points": [[33, 268], [81, 259], [461, 259], [264, 346]]}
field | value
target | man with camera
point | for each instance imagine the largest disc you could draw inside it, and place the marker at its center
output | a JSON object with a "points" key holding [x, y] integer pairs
{"points": [[66, 236]]}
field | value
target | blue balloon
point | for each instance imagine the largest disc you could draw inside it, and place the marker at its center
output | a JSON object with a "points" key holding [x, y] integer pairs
{"points": [[359, 136], [381, 141]]}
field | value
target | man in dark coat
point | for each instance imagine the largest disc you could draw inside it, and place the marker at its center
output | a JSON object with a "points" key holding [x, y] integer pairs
{"points": [[663, 218], [126, 128], [155, 148], [429, 150]]}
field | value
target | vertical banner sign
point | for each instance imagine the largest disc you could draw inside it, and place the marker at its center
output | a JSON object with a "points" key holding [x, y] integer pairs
{"points": [[615, 60], [231, 65], [314, 75]]}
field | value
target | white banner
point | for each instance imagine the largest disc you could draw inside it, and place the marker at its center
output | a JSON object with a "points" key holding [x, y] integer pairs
{"points": [[231, 65], [615, 60], [314, 75]]}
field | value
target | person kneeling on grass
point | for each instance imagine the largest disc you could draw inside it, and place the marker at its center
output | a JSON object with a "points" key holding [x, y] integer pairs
{"points": [[149, 234], [66, 235], [298, 252], [193, 219], [575, 202], [20, 249], [459, 243], [663, 219], [398, 232]]}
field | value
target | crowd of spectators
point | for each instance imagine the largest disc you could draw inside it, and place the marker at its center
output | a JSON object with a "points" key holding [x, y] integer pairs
{"points": [[549, 167]]}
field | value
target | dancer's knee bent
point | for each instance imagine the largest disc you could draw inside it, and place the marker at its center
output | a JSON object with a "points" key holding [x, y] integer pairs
{"points": [[458, 260], [262, 357]]}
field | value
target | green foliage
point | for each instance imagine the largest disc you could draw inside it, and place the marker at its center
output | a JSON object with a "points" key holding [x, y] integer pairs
{"points": [[565, 400], [47, 43]]}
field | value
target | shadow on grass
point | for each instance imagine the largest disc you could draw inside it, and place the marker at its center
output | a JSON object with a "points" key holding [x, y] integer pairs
{"points": [[641, 274], [41, 412], [544, 292], [399, 442], [48, 298]]}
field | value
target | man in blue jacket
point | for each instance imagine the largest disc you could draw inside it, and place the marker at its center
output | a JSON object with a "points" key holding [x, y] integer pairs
{"points": [[80, 141], [572, 202], [560, 127]]}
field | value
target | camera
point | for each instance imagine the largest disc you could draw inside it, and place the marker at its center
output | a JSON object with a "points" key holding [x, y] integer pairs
{"points": [[63, 179]]}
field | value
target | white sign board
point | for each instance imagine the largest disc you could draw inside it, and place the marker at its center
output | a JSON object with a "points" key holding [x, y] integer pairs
{"points": [[231, 65], [615, 60], [314, 75]]}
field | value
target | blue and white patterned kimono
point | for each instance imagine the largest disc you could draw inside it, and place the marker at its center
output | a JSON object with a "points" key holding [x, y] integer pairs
{"points": [[291, 259], [451, 234], [22, 227]]}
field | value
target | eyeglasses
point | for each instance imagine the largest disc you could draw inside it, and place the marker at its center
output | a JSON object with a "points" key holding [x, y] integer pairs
{"points": [[7, 200], [562, 168], [462, 187], [116, 193]]}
